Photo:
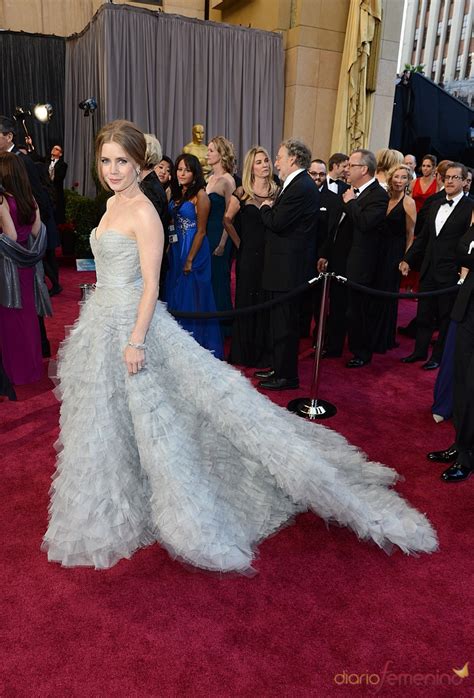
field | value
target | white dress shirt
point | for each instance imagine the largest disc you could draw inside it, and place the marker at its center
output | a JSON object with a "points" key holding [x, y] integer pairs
{"points": [[444, 211]]}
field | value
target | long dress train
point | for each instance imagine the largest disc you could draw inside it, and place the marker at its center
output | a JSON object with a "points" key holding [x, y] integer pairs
{"points": [[187, 452]]}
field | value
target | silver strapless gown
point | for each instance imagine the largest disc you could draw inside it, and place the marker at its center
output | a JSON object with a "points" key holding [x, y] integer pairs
{"points": [[187, 452]]}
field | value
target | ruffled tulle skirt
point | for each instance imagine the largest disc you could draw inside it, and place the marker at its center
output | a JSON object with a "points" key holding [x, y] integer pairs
{"points": [[188, 454]]}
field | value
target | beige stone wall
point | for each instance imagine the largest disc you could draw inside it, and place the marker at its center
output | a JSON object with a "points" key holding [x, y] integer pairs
{"points": [[387, 70], [65, 17]]}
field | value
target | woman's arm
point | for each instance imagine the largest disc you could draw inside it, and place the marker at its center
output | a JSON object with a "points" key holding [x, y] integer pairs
{"points": [[150, 249], [203, 206], [233, 207], [410, 220], [6, 221], [37, 223], [228, 188]]}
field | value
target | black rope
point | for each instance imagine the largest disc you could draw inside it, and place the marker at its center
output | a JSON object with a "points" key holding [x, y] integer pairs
{"points": [[394, 294], [251, 308]]}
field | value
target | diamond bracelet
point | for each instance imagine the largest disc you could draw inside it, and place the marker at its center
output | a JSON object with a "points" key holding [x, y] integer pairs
{"points": [[137, 346]]}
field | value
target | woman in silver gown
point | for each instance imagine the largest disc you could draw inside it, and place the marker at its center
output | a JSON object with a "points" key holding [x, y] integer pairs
{"points": [[162, 442]]}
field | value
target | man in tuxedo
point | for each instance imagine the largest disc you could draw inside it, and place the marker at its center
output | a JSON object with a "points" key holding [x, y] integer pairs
{"points": [[461, 453], [57, 172], [338, 173], [468, 184], [364, 209], [330, 210], [447, 220], [290, 249]]}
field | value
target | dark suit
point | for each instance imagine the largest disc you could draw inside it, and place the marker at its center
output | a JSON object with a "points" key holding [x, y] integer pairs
{"points": [[290, 251], [341, 186], [58, 175], [366, 216], [439, 269], [463, 314]]}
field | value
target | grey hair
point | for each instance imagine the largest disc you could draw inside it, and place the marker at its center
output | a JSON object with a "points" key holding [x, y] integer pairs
{"points": [[299, 151], [154, 153], [368, 159]]}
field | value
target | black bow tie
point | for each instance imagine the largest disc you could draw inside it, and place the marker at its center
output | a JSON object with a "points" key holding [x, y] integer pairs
{"points": [[448, 202], [356, 191], [332, 181]]}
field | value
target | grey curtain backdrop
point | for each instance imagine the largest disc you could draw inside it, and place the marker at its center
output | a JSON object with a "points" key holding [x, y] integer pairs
{"points": [[167, 73]]}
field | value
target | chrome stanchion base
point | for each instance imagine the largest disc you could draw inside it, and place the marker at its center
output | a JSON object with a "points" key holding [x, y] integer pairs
{"points": [[312, 409]]}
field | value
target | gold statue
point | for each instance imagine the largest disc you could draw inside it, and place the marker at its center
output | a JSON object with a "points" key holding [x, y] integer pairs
{"points": [[198, 148]]}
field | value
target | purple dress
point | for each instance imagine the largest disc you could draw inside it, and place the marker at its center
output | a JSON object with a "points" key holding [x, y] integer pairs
{"points": [[20, 341]]}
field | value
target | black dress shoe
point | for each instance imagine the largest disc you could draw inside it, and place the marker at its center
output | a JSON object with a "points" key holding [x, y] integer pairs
{"points": [[456, 473], [267, 373], [447, 456], [430, 365], [356, 363], [280, 384], [412, 358], [55, 290]]}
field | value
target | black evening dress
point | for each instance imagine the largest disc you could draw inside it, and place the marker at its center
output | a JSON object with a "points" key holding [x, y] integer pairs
{"points": [[250, 335], [391, 251]]}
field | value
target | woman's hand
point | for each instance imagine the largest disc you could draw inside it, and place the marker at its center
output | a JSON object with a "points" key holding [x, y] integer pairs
{"points": [[134, 359], [219, 250], [188, 266]]}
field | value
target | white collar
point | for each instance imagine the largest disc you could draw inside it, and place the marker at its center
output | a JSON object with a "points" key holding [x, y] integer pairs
{"points": [[11, 148], [291, 177], [456, 199], [364, 186]]}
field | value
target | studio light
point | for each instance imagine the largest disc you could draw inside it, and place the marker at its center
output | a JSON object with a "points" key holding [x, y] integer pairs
{"points": [[20, 114], [88, 105], [43, 112]]}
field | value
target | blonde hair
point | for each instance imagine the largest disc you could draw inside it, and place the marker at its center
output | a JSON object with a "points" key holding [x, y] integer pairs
{"points": [[388, 158], [391, 173], [226, 150], [248, 177], [125, 134], [154, 152]]}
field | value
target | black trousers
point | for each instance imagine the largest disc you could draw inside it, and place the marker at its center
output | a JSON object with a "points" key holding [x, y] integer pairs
{"points": [[432, 310], [284, 337], [463, 412], [50, 266], [359, 325], [336, 323]]}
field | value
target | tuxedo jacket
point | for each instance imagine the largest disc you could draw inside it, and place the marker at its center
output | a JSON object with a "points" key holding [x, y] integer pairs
{"points": [[438, 253], [330, 211], [423, 212], [465, 258], [291, 226], [365, 217], [60, 169], [341, 186]]}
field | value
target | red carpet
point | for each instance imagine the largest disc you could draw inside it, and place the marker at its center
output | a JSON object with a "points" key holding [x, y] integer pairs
{"points": [[325, 616]]}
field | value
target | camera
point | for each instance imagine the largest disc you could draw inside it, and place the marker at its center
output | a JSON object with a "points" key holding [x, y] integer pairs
{"points": [[88, 105]]}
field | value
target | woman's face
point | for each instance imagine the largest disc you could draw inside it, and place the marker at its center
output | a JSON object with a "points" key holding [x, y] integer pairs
{"points": [[261, 165], [427, 168], [399, 180], [184, 174], [163, 172], [118, 169], [213, 156]]}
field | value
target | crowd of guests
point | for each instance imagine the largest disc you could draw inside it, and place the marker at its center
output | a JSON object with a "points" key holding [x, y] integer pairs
{"points": [[364, 216]]}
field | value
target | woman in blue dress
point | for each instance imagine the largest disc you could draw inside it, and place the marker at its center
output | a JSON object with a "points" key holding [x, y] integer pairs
{"points": [[220, 187], [188, 284]]}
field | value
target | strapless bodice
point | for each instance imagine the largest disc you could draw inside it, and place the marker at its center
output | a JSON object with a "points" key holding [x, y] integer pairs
{"points": [[117, 264]]}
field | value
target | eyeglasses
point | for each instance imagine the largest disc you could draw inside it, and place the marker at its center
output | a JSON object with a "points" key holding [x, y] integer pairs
{"points": [[316, 174], [452, 178]]}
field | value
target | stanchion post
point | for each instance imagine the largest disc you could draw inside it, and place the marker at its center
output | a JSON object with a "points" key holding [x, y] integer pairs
{"points": [[312, 407]]}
